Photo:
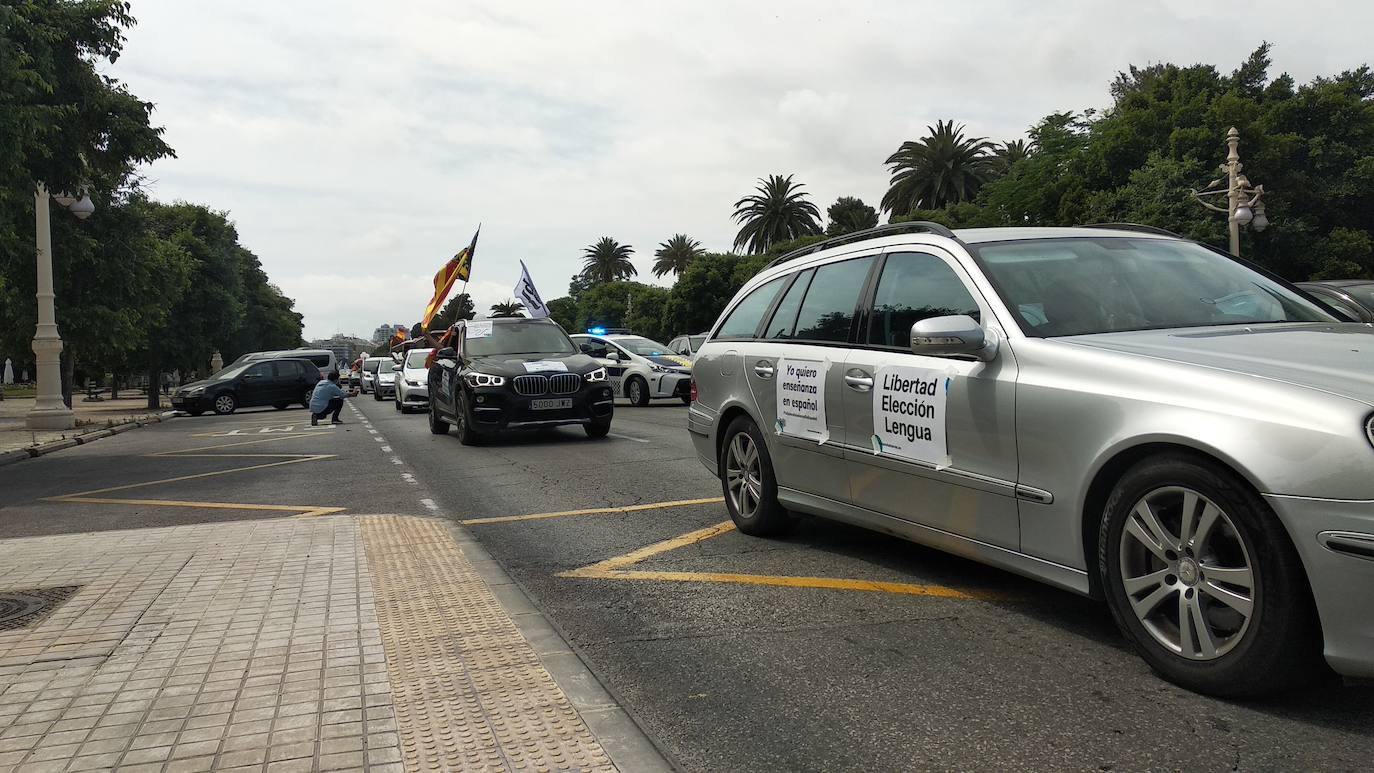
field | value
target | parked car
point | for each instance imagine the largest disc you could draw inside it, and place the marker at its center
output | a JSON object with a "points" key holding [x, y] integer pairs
{"points": [[1120, 413], [687, 346], [384, 379], [412, 381], [368, 376], [323, 359], [516, 373], [1354, 298], [276, 382], [640, 369]]}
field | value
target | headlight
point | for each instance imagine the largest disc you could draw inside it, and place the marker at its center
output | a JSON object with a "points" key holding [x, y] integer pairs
{"points": [[194, 391], [597, 375], [412, 382], [485, 380], [659, 368]]}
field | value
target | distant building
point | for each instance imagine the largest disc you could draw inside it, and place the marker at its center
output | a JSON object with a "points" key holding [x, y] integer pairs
{"points": [[383, 333], [346, 349]]}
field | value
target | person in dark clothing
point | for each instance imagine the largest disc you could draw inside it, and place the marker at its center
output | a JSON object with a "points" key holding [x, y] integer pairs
{"points": [[326, 399]]}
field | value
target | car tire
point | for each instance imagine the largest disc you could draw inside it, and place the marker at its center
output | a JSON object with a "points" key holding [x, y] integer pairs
{"points": [[280, 406], [397, 401], [196, 413], [597, 429], [437, 425], [376, 396], [638, 391], [1181, 538], [305, 399], [225, 404], [466, 434], [686, 399], [746, 479]]}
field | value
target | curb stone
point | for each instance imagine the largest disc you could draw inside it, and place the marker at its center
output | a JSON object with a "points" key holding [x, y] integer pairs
{"points": [[43, 449]]}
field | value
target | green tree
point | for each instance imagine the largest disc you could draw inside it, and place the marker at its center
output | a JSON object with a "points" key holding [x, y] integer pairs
{"points": [[674, 255], [849, 214], [564, 312], [941, 168], [607, 261], [702, 291], [622, 304], [1009, 154], [458, 307], [507, 308], [777, 211]]}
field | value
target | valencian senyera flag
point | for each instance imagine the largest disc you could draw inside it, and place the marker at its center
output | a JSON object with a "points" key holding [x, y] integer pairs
{"points": [[399, 337], [458, 267]]}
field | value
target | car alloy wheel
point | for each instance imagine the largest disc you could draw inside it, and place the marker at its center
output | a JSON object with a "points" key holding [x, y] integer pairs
{"points": [[743, 478], [225, 404], [1186, 571]]}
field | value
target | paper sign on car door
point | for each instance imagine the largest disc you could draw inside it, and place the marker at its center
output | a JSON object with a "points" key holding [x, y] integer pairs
{"points": [[909, 413], [801, 399]]}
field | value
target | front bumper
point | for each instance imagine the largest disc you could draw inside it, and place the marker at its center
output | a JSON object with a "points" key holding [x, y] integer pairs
{"points": [[385, 390], [670, 384], [414, 395], [1335, 539], [492, 409], [191, 403]]}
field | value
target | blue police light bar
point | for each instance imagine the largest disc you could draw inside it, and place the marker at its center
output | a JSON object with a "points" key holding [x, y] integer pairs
{"points": [[597, 331]]}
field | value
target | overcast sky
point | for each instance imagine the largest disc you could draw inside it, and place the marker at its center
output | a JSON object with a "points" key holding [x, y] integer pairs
{"points": [[358, 145]]}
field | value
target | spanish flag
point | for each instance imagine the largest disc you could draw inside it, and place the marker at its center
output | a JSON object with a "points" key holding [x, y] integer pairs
{"points": [[458, 267], [399, 337]]}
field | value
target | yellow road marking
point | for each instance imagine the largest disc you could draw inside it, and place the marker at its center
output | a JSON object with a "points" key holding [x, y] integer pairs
{"points": [[88, 498], [591, 511], [617, 569]]}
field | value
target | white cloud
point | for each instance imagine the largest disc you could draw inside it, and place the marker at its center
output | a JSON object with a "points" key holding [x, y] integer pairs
{"points": [[357, 145]]}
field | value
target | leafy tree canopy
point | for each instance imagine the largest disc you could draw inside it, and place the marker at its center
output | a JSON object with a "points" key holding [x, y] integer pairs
{"points": [[849, 214]]}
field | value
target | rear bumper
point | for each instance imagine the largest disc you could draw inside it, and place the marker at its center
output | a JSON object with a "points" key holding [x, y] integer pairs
{"points": [[1335, 539]]}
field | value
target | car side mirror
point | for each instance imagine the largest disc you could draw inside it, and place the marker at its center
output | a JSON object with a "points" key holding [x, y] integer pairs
{"points": [[613, 356], [950, 336]]}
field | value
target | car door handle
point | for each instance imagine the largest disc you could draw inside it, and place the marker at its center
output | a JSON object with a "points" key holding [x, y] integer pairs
{"points": [[858, 380], [763, 369]]}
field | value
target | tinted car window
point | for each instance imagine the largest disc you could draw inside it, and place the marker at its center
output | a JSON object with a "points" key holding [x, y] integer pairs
{"points": [[828, 310], [915, 286], [259, 370], [320, 360], [784, 320], [745, 317], [285, 370]]}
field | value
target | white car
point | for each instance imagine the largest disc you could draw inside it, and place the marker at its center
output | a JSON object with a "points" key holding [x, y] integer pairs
{"points": [[412, 381], [639, 368], [384, 378]]}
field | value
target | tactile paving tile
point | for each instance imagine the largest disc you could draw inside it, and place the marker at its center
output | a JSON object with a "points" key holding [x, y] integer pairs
{"points": [[468, 690]]}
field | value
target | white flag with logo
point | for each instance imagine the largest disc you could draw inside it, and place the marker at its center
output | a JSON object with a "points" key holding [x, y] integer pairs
{"points": [[526, 294]]}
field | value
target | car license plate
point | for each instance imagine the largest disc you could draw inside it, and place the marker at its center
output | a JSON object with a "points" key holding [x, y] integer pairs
{"points": [[549, 405]]}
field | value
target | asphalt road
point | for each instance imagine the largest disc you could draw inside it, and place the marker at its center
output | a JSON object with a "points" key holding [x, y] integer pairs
{"points": [[721, 645]]}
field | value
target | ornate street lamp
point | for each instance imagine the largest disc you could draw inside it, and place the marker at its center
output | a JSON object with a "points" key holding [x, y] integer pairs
{"points": [[49, 410], [1244, 203]]}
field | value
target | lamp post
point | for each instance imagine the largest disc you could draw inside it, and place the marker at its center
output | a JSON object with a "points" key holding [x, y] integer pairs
{"points": [[1244, 203], [49, 410]]}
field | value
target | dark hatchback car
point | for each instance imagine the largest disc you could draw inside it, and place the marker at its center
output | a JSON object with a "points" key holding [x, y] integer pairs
{"points": [[516, 373], [1353, 298], [278, 383]]}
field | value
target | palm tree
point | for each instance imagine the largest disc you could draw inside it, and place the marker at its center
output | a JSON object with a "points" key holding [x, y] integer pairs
{"points": [[507, 308], [607, 261], [1009, 153], [942, 168], [674, 255], [778, 212]]}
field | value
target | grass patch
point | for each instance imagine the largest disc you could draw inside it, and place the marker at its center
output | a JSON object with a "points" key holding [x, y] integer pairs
{"points": [[11, 390]]}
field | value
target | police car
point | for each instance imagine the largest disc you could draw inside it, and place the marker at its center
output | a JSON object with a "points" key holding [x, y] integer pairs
{"points": [[639, 368]]}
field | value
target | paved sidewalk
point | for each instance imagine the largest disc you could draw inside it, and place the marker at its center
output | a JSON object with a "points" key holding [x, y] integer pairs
{"points": [[357, 643], [90, 417]]}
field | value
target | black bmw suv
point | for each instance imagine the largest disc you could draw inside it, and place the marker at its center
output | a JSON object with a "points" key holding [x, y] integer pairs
{"points": [[516, 373]]}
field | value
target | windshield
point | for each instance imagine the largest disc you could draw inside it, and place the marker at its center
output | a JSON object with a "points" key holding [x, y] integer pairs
{"points": [[519, 338], [642, 346], [371, 365], [386, 366], [415, 358], [1362, 293], [232, 371], [697, 341], [1061, 287]]}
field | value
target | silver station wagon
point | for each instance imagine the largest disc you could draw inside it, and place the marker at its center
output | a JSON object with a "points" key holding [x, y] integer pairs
{"points": [[1111, 410]]}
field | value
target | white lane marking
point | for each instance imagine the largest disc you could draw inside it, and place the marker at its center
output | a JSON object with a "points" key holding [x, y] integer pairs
{"points": [[372, 431], [396, 460], [429, 503], [627, 437], [386, 449], [379, 439], [410, 479]]}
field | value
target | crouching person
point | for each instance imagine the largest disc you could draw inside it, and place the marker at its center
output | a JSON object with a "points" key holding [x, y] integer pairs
{"points": [[327, 399]]}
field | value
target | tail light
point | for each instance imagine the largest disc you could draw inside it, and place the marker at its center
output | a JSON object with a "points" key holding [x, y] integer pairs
{"points": [[694, 388]]}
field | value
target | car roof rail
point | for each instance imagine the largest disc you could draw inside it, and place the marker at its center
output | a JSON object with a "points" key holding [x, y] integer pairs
{"points": [[1148, 229], [890, 229]]}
